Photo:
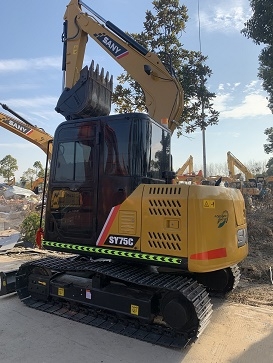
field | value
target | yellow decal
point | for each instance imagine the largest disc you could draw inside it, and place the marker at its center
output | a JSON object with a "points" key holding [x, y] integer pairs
{"points": [[134, 309], [60, 291], [4, 283], [75, 49], [208, 203]]}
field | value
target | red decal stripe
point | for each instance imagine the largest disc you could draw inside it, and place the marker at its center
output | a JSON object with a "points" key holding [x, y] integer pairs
{"points": [[122, 55], [210, 255], [107, 225]]}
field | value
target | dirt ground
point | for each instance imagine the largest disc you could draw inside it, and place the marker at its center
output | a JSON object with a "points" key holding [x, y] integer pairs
{"points": [[14, 211], [256, 284]]}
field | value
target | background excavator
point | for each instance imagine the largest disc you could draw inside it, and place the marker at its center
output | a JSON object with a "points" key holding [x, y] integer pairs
{"points": [[248, 186], [29, 132], [145, 252], [26, 130], [190, 176], [188, 164]]}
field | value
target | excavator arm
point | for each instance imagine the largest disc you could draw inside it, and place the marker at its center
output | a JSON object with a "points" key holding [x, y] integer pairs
{"points": [[163, 92], [28, 132], [232, 161], [188, 164]]}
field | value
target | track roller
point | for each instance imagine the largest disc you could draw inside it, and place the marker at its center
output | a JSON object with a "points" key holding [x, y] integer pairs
{"points": [[178, 312]]}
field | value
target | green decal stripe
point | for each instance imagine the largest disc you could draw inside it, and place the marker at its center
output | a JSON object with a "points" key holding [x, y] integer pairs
{"points": [[119, 253]]}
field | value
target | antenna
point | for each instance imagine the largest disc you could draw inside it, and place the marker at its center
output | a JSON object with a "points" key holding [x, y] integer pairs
{"points": [[202, 100], [199, 25]]}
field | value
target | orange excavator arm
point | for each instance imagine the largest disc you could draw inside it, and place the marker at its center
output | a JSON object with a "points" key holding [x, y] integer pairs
{"points": [[27, 131]]}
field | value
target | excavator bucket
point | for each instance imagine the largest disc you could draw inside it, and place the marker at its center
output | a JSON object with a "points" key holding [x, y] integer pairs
{"points": [[90, 96]]}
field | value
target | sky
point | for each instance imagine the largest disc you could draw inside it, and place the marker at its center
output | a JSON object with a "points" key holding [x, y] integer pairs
{"points": [[31, 75]]}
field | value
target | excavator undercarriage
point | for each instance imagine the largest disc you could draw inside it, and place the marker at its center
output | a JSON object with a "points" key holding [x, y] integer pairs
{"points": [[126, 299], [162, 308]]}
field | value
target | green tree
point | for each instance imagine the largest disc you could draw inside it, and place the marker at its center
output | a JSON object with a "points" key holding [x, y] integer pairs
{"points": [[8, 166], [39, 170], [29, 227], [268, 148], [162, 32], [269, 166], [23, 181], [28, 176], [260, 29]]}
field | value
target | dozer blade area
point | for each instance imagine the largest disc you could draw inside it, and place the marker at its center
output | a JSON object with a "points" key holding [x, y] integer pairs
{"points": [[90, 96]]}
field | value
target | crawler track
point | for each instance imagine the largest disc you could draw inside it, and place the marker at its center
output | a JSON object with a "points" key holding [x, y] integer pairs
{"points": [[156, 332]]}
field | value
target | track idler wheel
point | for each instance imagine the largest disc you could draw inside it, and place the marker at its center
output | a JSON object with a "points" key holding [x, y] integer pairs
{"points": [[179, 313], [221, 281]]}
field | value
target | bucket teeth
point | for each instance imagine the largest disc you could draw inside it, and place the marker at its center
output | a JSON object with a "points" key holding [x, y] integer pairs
{"points": [[101, 73], [90, 96], [98, 76]]}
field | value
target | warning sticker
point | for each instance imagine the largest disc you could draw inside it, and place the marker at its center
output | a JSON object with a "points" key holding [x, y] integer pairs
{"points": [[208, 203], [88, 294], [134, 309], [60, 291]]}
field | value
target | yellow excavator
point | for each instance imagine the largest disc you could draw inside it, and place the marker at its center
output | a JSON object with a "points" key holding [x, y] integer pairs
{"points": [[144, 253], [247, 186], [35, 185], [187, 164], [23, 128], [190, 177]]}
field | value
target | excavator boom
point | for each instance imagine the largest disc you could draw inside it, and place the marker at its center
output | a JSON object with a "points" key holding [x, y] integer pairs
{"points": [[163, 92], [232, 161], [247, 187], [28, 132], [188, 164]]}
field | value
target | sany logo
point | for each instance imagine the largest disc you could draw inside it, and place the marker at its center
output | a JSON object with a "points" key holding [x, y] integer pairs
{"points": [[19, 127], [116, 49]]}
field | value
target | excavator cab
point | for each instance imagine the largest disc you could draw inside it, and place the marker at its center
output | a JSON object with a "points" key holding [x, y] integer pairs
{"points": [[97, 163]]}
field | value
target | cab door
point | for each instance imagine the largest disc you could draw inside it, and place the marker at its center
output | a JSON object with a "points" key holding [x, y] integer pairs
{"points": [[72, 205]]}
